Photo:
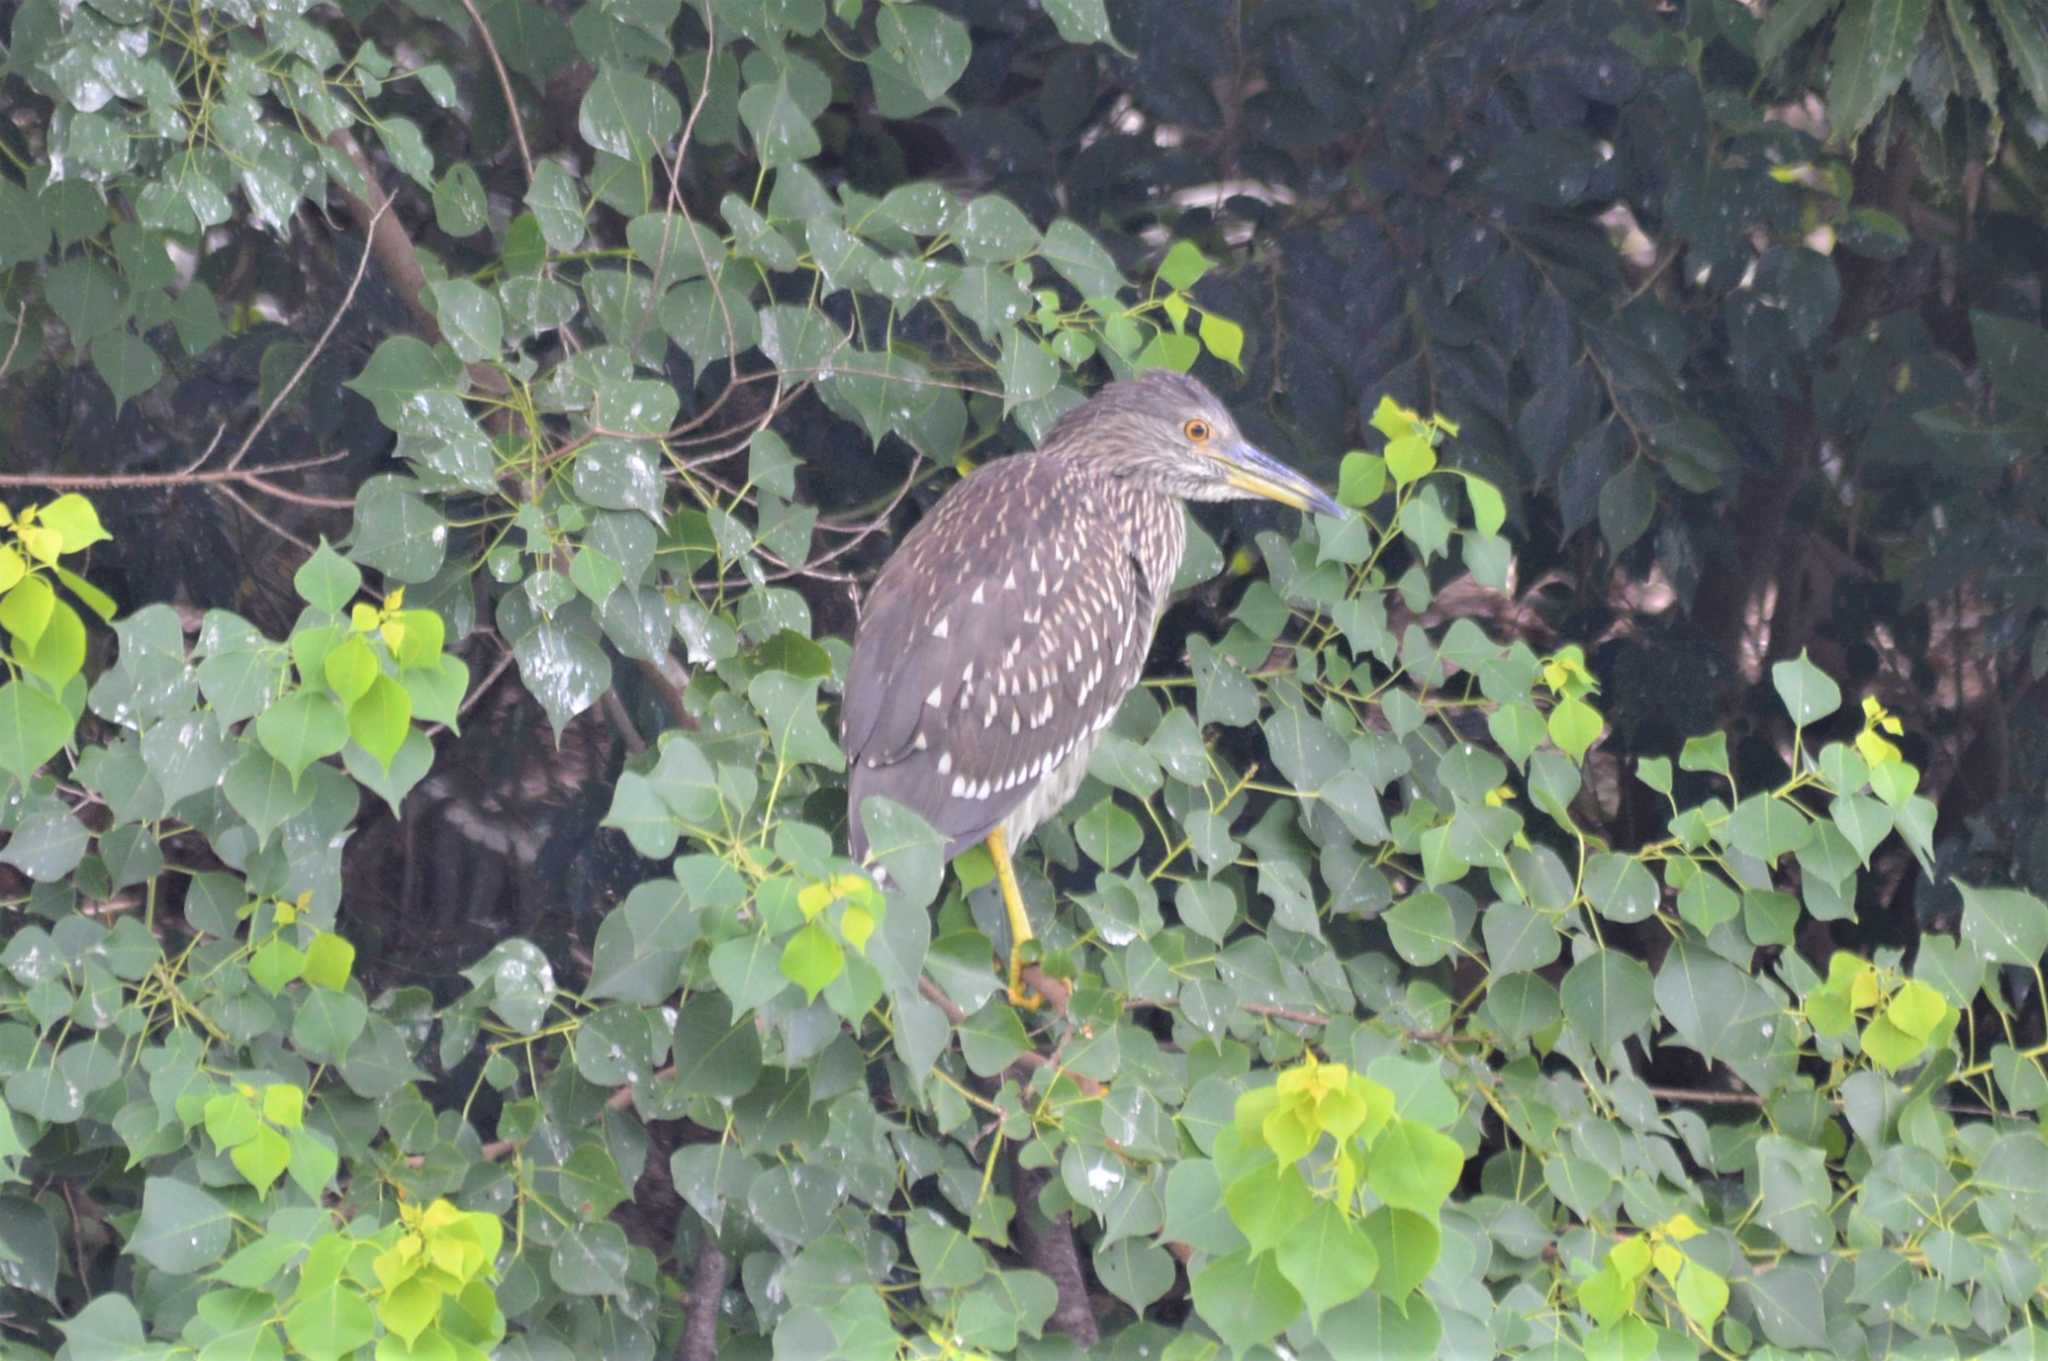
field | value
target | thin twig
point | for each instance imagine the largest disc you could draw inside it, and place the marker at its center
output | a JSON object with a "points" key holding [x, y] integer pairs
{"points": [[131, 481], [482, 687], [14, 342], [483, 30], [260, 518], [302, 498], [355, 283], [1030, 1058]]}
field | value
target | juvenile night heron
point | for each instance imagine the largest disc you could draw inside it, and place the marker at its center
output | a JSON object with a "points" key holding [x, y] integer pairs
{"points": [[1012, 621]]}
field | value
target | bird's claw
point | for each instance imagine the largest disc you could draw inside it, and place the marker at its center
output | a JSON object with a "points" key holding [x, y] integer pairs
{"points": [[1022, 996]]}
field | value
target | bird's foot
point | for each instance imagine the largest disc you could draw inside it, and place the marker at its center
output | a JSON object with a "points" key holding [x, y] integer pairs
{"points": [[1022, 995]]}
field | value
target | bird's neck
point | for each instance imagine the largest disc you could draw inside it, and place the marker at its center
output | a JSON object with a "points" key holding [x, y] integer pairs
{"points": [[1159, 539]]}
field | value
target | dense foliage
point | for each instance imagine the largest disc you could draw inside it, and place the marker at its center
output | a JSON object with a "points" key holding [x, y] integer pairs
{"points": [[1583, 904]]}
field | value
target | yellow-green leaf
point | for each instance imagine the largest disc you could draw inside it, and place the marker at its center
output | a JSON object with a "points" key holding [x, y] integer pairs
{"points": [[1223, 338], [1184, 266], [76, 522]]}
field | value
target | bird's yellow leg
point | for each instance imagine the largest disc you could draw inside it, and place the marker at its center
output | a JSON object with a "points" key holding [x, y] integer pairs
{"points": [[1020, 920]]}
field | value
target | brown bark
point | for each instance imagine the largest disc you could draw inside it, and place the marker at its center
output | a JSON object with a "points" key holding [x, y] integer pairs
{"points": [[1048, 1244]]}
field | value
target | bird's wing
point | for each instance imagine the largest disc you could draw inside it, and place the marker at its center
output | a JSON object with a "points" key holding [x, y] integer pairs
{"points": [[994, 657]]}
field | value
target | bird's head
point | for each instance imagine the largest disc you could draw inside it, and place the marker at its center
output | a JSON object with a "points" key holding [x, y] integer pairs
{"points": [[1171, 433]]}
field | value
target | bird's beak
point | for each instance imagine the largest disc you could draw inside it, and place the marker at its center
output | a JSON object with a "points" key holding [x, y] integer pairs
{"points": [[1257, 473]]}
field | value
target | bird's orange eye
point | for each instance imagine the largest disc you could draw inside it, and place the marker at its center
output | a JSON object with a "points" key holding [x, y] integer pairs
{"points": [[1197, 431]]}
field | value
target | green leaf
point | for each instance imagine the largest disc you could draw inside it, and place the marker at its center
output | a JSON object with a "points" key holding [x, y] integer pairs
{"points": [[1809, 693], [325, 1024], [748, 971], [330, 1323], [58, 653], [1579, 1183], [239, 669], [2026, 42], [262, 1159], [1574, 725], [1786, 23], [33, 728], [2012, 353], [1081, 21], [932, 47], [1207, 907], [907, 847], [1890, 1047], [1706, 901], [301, 729], [329, 961], [459, 210], [1489, 509], [349, 667], [24, 230], [470, 317], [1025, 370], [1361, 478], [263, 791], [811, 959], [1406, 1246], [642, 942], [1655, 771], [1768, 827], [2020, 1078], [1607, 997], [181, 1228], [1702, 1293], [519, 982], [1246, 1300], [89, 595], [1410, 458], [1107, 833], [1329, 1260], [1083, 262], [1269, 1203], [1628, 501], [1223, 338], [590, 1259], [275, 964], [2004, 925], [328, 581], [1423, 928], [1708, 753], [796, 734], [43, 1091], [1863, 822], [946, 1258], [381, 720], [1792, 1180], [995, 230], [716, 1055], [75, 520], [628, 115], [1168, 350], [1518, 939], [1605, 1296], [108, 1326], [1619, 888], [557, 204], [1412, 1167], [1873, 47], [86, 297], [1184, 266], [1136, 1271]]}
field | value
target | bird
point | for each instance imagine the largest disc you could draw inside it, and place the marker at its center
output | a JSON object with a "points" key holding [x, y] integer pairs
{"points": [[1004, 632]]}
